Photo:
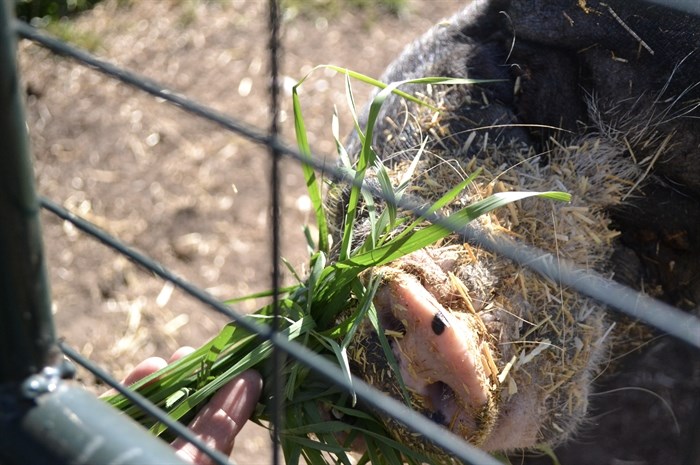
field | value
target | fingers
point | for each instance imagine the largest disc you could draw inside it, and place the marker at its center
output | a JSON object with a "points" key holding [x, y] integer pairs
{"points": [[218, 423], [221, 419], [150, 365], [143, 369], [179, 353]]}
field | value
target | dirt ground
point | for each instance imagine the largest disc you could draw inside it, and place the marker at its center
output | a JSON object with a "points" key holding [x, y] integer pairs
{"points": [[186, 192]]}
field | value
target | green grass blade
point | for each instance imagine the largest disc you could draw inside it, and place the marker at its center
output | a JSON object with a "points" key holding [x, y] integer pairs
{"points": [[440, 203], [407, 176], [365, 302], [310, 444], [425, 80], [225, 368], [388, 194], [455, 222], [549, 452], [294, 273], [351, 211], [323, 427], [350, 97], [339, 147], [318, 263], [292, 453], [376, 83], [312, 185], [367, 158], [326, 434], [259, 295], [310, 241], [453, 193], [371, 208], [375, 434], [341, 354]]}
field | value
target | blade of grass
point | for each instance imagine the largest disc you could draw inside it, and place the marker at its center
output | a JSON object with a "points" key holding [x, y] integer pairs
{"points": [[310, 242], [440, 203], [325, 432], [323, 426], [350, 97], [226, 368], [375, 432], [425, 80], [367, 158], [339, 147], [310, 444], [549, 452], [294, 273], [341, 354], [312, 186], [259, 295], [388, 194], [455, 222], [407, 176], [318, 263]]}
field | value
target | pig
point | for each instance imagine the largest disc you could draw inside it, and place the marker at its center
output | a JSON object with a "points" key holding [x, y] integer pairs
{"points": [[598, 99]]}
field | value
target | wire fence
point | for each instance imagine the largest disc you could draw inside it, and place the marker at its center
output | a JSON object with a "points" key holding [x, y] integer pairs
{"points": [[666, 318]]}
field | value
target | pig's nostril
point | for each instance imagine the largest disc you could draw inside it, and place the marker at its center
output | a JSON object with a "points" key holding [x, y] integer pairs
{"points": [[438, 417], [441, 395], [391, 323]]}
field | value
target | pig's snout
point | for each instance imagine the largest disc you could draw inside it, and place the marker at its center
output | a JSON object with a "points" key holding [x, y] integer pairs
{"points": [[444, 356]]}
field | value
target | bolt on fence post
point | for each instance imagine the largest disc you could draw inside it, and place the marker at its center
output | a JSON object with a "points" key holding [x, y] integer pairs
{"points": [[43, 419]]}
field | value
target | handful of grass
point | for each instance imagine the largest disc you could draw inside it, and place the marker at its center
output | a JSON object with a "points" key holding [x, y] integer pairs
{"points": [[323, 310]]}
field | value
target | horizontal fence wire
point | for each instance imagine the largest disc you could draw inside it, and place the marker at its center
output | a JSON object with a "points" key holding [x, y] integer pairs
{"points": [[660, 315]]}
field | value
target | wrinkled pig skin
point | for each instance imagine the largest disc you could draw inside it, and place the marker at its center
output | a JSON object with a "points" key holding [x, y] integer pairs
{"points": [[600, 98]]}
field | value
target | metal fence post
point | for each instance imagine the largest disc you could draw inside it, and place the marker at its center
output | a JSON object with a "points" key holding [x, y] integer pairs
{"points": [[43, 419], [27, 340]]}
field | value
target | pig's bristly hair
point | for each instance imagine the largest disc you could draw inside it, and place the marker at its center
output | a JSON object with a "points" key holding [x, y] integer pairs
{"points": [[561, 339]]}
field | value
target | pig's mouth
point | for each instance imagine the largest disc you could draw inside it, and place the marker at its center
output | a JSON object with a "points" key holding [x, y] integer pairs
{"points": [[443, 355]]}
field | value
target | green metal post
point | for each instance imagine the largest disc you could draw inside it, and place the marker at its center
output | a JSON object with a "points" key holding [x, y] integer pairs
{"points": [[43, 419], [27, 340]]}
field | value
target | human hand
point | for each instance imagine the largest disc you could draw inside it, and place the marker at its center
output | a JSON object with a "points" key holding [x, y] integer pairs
{"points": [[221, 419]]}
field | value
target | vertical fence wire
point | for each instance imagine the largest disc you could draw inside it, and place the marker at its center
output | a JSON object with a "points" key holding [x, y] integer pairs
{"points": [[275, 156]]}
